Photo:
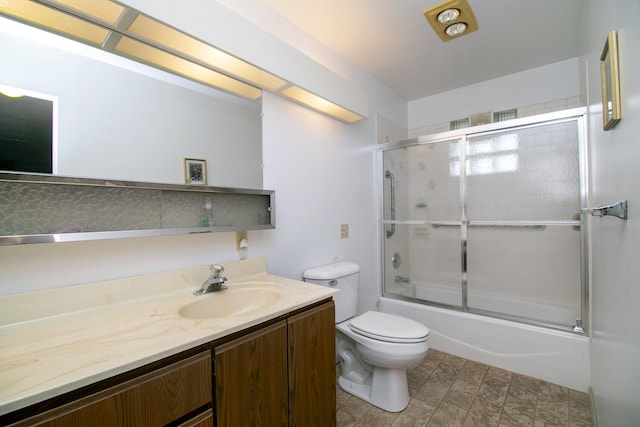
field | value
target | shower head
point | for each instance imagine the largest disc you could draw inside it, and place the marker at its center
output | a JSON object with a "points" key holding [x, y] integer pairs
{"points": [[388, 174]]}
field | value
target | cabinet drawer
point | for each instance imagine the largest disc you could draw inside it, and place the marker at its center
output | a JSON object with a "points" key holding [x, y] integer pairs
{"points": [[153, 399]]}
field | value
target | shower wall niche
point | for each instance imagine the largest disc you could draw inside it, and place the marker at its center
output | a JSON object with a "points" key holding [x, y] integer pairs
{"points": [[487, 220]]}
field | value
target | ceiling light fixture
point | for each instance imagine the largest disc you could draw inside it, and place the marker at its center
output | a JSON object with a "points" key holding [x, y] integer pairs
{"points": [[451, 19], [167, 61], [456, 29], [113, 27], [168, 38], [321, 105], [448, 15], [54, 20]]}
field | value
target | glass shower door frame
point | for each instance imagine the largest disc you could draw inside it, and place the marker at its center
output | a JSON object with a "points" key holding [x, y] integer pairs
{"points": [[463, 135]]}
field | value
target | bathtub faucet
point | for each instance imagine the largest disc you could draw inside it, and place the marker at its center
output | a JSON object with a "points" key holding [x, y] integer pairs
{"points": [[402, 279]]}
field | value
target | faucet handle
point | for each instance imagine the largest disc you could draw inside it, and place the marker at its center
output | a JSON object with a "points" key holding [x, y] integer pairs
{"points": [[216, 269]]}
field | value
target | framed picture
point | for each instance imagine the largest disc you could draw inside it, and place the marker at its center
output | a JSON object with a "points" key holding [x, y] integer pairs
{"points": [[195, 171], [610, 82]]}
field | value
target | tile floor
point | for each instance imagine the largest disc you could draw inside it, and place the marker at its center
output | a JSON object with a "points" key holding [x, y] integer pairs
{"points": [[447, 390]]}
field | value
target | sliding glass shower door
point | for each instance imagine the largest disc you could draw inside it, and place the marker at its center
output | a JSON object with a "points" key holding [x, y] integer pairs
{"points": [[425, 247], [488, 221]]}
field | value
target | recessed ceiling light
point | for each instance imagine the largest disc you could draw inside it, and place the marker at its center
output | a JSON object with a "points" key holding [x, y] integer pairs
{"points": [[451, 19], [456, 29], [448, 15]]}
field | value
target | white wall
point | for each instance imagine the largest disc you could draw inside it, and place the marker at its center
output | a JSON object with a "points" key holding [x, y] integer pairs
{"points": [[322, 171], [615, 175]]}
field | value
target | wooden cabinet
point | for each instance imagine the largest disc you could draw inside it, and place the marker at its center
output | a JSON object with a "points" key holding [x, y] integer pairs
{"points": [[251, 379], [153, 399], [280, 373], [312, 367], [283, 374]]}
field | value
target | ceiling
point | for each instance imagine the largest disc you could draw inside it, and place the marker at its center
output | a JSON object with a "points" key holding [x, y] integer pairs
{"points": [[392, 41]]}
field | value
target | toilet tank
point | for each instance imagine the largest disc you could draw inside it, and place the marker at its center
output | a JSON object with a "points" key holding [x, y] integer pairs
{"points": [[344, 276]]}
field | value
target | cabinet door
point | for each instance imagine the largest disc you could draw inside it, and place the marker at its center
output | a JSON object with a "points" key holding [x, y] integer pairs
{"points": [[251, 379], [153, 399], [204, 419], [312, 367]]}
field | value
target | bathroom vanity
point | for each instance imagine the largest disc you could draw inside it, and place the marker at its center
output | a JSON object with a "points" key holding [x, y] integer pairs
{"points": [[130, 359]]}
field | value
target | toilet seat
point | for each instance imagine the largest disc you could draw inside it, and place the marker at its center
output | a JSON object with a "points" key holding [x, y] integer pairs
{"points": [[388, 328]]}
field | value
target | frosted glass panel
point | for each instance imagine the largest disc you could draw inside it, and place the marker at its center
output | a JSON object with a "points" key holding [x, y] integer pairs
{"points": [[528, 174], [424, 188], [434, 194], [528, 272], [429, 268]]}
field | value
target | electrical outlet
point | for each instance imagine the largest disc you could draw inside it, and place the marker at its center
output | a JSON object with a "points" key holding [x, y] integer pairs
{"points": [[344, 231], [239, 236]]}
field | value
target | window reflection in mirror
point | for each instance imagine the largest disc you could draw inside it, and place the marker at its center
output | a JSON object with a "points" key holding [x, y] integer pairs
{"points": [[27, 131]]}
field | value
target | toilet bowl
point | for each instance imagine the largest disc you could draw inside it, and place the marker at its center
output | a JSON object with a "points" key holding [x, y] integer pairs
{"points": [[375, 349]]}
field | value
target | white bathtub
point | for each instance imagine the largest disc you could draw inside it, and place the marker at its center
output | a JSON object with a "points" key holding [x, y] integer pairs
{"points": [[559, 357]]}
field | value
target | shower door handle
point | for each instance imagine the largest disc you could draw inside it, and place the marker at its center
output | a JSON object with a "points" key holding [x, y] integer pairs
{"points": [[389, 175]]}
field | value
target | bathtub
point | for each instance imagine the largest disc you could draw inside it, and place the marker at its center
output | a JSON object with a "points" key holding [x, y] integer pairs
{"points": [[558, 357]]}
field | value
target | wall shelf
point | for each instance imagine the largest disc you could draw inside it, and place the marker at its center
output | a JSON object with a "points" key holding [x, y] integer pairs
{"points": [[37, 208]]}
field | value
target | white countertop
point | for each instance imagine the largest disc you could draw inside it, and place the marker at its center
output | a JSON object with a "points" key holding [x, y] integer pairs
{"points": [[58, 340]]}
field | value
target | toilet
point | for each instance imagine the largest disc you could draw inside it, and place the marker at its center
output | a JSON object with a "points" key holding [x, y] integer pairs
{"points": [[375, 349]]}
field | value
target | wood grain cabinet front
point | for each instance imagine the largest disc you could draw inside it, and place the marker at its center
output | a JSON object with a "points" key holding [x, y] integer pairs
{"points": [[280, 375], [153, 399], [251, 379], [312, 367]]}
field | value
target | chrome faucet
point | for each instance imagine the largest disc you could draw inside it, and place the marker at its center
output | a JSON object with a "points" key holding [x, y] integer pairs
{"points": [[214, 283]]}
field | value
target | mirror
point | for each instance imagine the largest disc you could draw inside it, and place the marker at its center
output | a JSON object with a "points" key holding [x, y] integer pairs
{"points": [[121, 120]]}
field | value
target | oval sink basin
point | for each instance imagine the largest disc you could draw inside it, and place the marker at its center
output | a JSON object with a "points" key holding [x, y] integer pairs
{"points": [[230, 302]]}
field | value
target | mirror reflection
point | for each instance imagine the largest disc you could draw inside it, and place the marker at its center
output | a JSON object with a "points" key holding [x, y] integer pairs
{"points": [[118, 119]]}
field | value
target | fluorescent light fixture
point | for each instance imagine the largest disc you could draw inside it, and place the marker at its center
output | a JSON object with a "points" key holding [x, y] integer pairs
{"points": [[451, 19], [159, 33], [53, 20], [104, 10], [169, 62], [103, 23], [315, 102]]}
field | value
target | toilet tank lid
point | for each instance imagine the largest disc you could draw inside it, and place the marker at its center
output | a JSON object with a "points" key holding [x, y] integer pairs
{"points": [[331, 271]]}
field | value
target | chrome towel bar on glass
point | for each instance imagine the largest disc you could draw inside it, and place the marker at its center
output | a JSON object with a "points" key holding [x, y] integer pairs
{"points": [[618, 209]]}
